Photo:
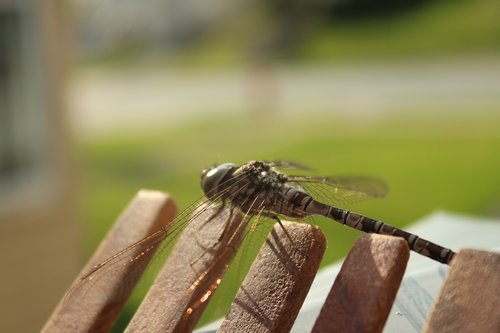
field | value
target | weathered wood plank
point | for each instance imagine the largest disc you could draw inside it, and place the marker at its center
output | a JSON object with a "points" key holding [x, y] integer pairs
{"points": [[469, 299], [93, 306], [191, 274], [365, 289], [278, 281]]}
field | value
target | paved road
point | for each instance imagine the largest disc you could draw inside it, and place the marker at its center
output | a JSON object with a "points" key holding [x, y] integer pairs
{"points": [[104, 100]]}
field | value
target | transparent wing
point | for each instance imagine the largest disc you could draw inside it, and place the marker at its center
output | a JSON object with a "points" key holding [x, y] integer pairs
{"points": [[292, 165], [341, 190], [131, 260]]}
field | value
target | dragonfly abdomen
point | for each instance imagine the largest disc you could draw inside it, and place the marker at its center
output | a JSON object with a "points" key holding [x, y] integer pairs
{"points": [[346, 217], [369, 225]]}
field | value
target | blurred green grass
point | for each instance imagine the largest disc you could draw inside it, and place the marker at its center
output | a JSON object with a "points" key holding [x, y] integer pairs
{"points": [[447, 28], [447, 162]]}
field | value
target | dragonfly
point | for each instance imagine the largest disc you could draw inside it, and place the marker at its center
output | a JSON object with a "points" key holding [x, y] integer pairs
{"points": [[262, 190]]}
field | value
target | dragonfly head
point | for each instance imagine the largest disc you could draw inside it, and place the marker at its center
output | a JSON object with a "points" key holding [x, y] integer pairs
{"points": [[213, 177]]}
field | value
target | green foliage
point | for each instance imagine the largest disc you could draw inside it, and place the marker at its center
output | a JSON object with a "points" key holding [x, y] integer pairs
{"points": [[436, 28]]}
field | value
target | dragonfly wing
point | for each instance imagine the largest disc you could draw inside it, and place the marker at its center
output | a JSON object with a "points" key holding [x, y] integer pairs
{"points": [[292, 165], [129, 263], [341, 190]]}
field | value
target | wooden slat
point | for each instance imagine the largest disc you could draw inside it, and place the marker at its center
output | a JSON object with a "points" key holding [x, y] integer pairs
{"points": [[170, 305], [365, 289], [274, 289], [469, 301], [96, 309]]}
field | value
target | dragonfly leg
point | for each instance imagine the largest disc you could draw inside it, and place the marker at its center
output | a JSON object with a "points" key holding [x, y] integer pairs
{"points": [[227, 227], [217, 212], [277, 219]]}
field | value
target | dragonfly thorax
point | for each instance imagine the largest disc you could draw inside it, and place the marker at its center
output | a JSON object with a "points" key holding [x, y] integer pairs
{"points": [[228, 181], [263, 174]]}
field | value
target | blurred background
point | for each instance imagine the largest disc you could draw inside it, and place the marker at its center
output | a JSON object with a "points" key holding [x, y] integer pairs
{"points": [[99, 99]]}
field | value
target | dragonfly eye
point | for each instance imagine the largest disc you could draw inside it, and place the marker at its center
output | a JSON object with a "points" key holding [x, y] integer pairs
{"points": [[212, 177]]}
